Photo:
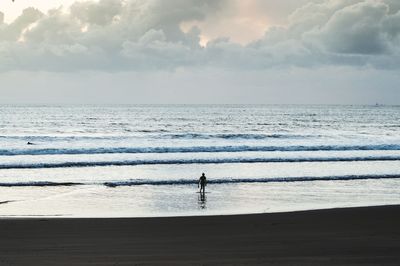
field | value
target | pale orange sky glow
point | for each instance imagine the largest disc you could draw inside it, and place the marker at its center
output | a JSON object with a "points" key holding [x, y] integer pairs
{"points": [[242, 23]]}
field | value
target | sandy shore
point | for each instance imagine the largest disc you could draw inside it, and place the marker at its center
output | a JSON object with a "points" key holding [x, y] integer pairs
{"points": [[367, 236]]}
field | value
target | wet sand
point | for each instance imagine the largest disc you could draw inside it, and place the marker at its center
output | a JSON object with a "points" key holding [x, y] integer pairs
{"points": [[351, 236]]}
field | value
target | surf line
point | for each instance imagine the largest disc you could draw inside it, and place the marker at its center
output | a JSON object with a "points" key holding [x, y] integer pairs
{"points": [[250, 180], [194, 182], [197, 161]]}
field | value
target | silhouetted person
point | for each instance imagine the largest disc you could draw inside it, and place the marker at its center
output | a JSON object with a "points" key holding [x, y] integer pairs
{"points": [[202, 183]]}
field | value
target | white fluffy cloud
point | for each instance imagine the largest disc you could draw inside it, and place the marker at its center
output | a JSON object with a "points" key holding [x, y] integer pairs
{"points": [[115, 35]]}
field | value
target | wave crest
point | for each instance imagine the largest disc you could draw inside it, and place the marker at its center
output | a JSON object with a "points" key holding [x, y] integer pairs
{"points": [[196, 161], [249, 180], [193, 149], [140, 182]]}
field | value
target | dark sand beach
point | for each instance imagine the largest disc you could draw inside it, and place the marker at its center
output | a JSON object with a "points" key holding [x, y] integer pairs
{"points": [[351, 236]]}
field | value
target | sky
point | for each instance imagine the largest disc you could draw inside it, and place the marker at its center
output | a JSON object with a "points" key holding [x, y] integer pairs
{"points": [[200, 51]]}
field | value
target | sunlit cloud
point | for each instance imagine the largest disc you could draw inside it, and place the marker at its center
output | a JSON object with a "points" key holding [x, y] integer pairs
{"points": [[139, 35], [241, 22]]}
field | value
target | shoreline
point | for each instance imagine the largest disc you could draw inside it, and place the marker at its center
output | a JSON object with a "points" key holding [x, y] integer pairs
{"points": [[227, 215], [341, 236]]}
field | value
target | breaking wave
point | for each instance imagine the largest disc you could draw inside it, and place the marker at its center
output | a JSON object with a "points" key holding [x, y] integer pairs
{"points": [[139, 182], [196, 161], [249, 180], [193, 149]]}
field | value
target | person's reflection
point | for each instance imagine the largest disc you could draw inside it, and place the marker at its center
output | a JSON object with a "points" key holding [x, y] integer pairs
{"points": [[202, 200]]}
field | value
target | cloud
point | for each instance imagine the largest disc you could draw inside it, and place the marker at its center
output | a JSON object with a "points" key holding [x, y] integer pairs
{"points": [[356, 29], [115, 35], [336, 32], [14, 31]]}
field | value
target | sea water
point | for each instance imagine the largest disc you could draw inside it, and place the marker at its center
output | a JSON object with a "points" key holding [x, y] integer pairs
{"points": [[145, 160]]}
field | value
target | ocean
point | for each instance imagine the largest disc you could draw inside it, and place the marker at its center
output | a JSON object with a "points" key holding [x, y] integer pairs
{"points": [[145, 160]]}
